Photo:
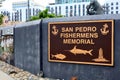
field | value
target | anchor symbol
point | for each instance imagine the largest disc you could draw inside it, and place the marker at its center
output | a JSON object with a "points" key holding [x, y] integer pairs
{"points": [[104, 30], [55, 30]]}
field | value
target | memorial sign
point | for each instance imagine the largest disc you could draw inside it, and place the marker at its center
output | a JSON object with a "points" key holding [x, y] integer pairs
{"points": [[85, 42]]}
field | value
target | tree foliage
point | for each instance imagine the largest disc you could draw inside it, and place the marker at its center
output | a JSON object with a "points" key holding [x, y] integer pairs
{"points": [[1, 19], [44, 14]]}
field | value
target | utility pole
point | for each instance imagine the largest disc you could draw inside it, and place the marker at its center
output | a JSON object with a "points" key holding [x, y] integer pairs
{"points": [[28, 11]]}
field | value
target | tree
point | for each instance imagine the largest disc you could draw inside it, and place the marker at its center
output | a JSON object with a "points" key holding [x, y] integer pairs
{"points": [[44, 14], [1, 19]]}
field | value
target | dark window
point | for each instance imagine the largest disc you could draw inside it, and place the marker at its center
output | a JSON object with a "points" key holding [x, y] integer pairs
{"points": [[70, 7], [20, 15], [26, 13], [79, 10], [74, 0], [111, 12], [111, 8], [74, 10], [111, 3], [30, 12], [66, 1], [60, 10], [107, 4], [56, 10], [17, 15], [33, 11], [66, 9], [83, 10], [116, 3], [71, 10], [116, 7], [37, 11], [116, 12], [52, 10], [12, 16], [66, 14]]}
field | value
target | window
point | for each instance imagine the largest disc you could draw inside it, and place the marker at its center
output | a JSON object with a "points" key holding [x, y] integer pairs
{"points": [[66, 1], [74, 10], [33, 11], [66, 14], [116, 12], [111, 3], [26, 14], [74, 1], [59, 10], [78, 0], [12, 17], [107, 4], [71, 11], [83, 10], [20, 15], [79, 10], [66, 11], [70, 7], [52, 10], [116, 3], [56, 10], [59, 2], [111, 12], [111, 8], [17, 15], [37, 11], [116, 7], [8, 14], [30, 12], [66, 7]]}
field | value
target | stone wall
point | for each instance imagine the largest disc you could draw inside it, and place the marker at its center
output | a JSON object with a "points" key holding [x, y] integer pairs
{"points": [[31, 51]]}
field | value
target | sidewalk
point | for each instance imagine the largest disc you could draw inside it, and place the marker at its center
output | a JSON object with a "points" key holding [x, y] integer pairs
{"points": [[4, 76]]}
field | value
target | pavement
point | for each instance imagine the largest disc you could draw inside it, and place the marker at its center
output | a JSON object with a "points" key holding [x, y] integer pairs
{"points": [[9, 72], [4, 76]]}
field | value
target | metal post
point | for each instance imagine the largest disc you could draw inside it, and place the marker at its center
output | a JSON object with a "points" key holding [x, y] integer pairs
{"points": [[28, 11]]}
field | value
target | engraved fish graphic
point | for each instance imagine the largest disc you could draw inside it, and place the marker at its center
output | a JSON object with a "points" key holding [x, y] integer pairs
{"points": [[59, 56], [80, 51]]}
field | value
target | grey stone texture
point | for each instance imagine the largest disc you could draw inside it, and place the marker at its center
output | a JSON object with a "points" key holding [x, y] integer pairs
{"points": [[31, 51], [27, 46]]}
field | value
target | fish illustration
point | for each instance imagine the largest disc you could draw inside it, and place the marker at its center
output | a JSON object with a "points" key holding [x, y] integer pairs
{"points": [[59, 56], [80, 51]]}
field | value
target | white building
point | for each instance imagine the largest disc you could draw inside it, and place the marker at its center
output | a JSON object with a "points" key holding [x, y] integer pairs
{"points": [[113, 6], [20, 10], [78, 7], [69, 7], [1, 1]]}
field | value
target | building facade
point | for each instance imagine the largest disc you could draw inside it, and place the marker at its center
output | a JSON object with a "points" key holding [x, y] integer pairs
{"points": [[1, 1], [112, 7], [22, 10], [69, 8]]}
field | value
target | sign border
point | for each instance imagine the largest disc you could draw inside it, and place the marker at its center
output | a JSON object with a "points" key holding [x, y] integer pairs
{"points": [[91, 63]]}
